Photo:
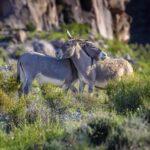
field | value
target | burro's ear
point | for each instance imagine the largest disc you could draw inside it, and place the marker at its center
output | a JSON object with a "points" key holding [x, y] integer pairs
{"points": [[69, 35], [77, 47]]}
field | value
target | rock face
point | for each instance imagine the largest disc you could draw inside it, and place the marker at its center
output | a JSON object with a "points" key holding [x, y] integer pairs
{"points": [[107, 17], [18, 14]]}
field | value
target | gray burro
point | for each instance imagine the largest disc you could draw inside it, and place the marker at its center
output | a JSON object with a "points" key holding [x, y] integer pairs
{"points": [[99, 73], [90, 71], [85, 65], [44, 68]]}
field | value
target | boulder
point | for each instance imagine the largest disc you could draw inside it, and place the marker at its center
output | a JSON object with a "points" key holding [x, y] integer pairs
{"points": [[44, 47], [21, 36]]}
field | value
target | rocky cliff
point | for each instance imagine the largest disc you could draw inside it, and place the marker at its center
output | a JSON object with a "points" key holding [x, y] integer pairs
{"points": [[107, 17]]}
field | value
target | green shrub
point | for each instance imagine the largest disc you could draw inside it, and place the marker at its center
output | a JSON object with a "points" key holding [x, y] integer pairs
{"points": [[144, 113], [117, 139], [56, 35], [141, 55], [55, 97], [8, 83], [81, 30], [51, 92], [129, 94], [3, 56], [33, 136], [54, 145], [12, 112], [143, 67], [76, 30], [30, 27], [141, 51], [118, 48], [5, 38], [137, 132], [91, 103], [15, 109], [147, 115], [18, 52], [18, 112], [51, 35], [6, 103], [99, 130]]}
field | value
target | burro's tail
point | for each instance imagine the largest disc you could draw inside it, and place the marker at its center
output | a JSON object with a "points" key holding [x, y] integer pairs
{"points": [[21, 76], [20, 71]]}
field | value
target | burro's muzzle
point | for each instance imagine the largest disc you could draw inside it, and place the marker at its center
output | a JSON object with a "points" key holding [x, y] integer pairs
{"points": [[102, 55], [59, 54]]}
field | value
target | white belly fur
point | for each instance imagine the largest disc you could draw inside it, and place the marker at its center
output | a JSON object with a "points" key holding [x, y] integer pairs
{"points": [[44, 79], [101, 84]]}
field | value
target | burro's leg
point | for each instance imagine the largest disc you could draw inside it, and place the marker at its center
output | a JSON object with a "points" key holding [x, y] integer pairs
{"points": [[27, 86], [69, 84], [73, 89], [66, 87], [91, 82], [81, 86], [25, 79], [91, 88]]}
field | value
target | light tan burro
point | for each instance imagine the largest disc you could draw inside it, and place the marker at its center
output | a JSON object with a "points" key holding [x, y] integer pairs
{"points": [[112, 68]]}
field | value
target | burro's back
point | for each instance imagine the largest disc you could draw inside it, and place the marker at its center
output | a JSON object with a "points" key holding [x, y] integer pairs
{"points": [[110, 69], [45, 69]]}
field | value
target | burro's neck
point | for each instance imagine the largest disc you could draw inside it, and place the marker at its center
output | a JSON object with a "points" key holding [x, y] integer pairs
{"points": [[83, 63]]}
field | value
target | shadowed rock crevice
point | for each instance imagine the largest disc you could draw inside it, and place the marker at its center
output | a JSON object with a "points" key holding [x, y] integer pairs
{"points": [[5, 9], [140, 27], [86, 5]]}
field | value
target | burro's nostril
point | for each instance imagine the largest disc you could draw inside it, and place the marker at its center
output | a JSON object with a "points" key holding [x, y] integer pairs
{"points": [[105, 54], [56, 53], [102, 56]]}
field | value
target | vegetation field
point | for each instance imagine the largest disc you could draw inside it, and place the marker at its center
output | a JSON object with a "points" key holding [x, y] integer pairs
{"points": [[117, 118]]}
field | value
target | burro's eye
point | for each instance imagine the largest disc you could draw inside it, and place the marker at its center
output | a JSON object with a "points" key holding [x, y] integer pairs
{"points": [[57, 52]]}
